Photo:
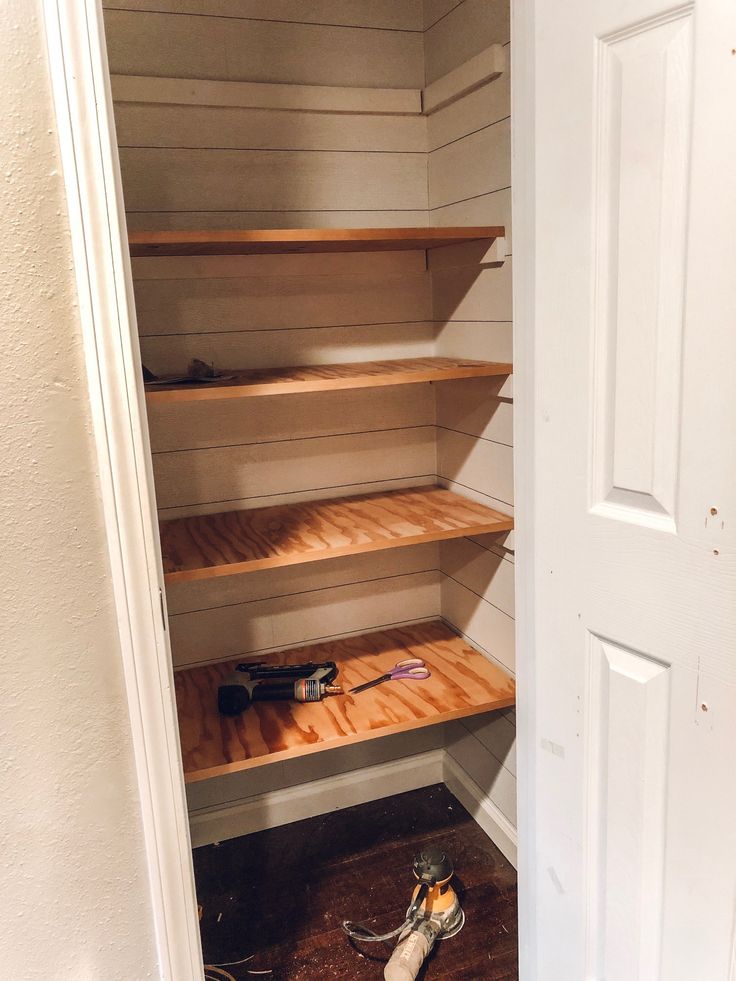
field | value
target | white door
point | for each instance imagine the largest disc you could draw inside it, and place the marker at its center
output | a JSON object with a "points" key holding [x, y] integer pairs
{"points": [[631, 856]]}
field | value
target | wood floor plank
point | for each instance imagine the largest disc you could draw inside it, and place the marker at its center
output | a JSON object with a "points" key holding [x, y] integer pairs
{"points": [[463, 683], [354, 864], [290, 240], [325, 378], [204, 546]]}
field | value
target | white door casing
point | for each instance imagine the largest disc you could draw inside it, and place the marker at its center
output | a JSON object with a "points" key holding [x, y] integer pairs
{"points": [[625, 265], [80, 84]]}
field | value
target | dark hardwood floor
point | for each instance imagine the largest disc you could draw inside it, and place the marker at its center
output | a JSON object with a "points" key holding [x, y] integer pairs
{"points": [[281, 895]]}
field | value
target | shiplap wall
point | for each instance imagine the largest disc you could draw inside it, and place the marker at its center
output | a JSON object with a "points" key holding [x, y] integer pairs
{"points": [[243, 166], [220, 151], [235, 163], [469, 183]]}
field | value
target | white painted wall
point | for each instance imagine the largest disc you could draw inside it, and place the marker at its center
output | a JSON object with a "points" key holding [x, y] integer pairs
{"points": [[75, 901], [469, 167]]}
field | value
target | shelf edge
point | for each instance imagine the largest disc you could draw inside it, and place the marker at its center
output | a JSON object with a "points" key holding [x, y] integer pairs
{"points": [[275, 562]]}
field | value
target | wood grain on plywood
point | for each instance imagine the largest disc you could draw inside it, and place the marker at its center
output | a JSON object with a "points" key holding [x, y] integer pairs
{"points": [[230, 542], [286, 240], [329, 377], [463, 683]]}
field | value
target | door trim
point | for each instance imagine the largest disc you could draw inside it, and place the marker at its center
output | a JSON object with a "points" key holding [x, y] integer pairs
{"points": [[83, 105], [523, 181]]}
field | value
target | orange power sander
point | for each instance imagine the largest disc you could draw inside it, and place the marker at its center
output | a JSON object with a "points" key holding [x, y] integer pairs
{"points": [[434, 914], [258, 682]]}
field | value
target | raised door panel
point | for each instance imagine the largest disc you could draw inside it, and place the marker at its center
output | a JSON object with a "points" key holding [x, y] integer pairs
{"points": [[643, 109]]}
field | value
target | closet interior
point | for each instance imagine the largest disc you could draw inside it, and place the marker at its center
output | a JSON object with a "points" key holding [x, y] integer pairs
{"points": [[318, 204]]}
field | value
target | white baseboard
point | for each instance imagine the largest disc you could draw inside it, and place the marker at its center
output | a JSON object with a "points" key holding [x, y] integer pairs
{"points": [[317, 797], [485, 813], [270, 810]]}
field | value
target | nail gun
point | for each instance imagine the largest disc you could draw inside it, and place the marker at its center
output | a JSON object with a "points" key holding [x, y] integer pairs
{"points": [[258, 682]]}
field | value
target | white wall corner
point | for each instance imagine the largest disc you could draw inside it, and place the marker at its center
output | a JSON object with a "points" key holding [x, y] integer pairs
{"points": [[481, 808]]}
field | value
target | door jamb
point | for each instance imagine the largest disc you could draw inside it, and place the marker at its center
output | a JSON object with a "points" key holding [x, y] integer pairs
{"points": [[80, 83], [523, 182]]}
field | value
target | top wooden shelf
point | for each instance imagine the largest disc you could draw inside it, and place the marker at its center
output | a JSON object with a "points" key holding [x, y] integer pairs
{"points": [[264, 241]]}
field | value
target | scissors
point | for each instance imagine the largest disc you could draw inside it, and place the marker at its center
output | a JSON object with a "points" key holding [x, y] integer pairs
{"points": [[411, 669]]}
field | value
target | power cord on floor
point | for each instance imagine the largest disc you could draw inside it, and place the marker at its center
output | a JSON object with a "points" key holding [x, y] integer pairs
{"points": [[357, 932], [221, 974]]}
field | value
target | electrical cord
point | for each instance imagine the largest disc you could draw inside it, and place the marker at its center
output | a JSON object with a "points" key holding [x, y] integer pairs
{"points": [[357, 932], [226, 975]]}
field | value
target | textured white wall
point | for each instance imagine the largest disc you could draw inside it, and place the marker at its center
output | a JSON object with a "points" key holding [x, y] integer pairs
{"points": [[74, 902]]}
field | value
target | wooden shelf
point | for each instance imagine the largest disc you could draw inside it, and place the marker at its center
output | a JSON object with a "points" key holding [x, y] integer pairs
{"points": [[326, 378], [204, 546], [289, 240], [463, 683]]}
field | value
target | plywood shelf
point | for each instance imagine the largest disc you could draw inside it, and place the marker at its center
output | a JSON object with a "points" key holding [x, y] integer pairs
{"points": [[326, 378], [205, 546], [296, 240], [463, 683]]}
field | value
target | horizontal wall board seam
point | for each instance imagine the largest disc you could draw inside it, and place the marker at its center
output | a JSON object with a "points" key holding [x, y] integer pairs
{"points": [[461, 432], [459, 139], [474, 643], [503, 554], [475, 489], [286, 330], [447, 13], [275, 211], [476, 593], [264, 20], [473, 197], [300, 439], [490, 752], [304, 592], [321, 640], [282, 149], [332, 487]]}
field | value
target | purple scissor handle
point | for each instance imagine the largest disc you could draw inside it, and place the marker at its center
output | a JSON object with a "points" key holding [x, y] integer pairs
{"points": [[410, 669]]}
